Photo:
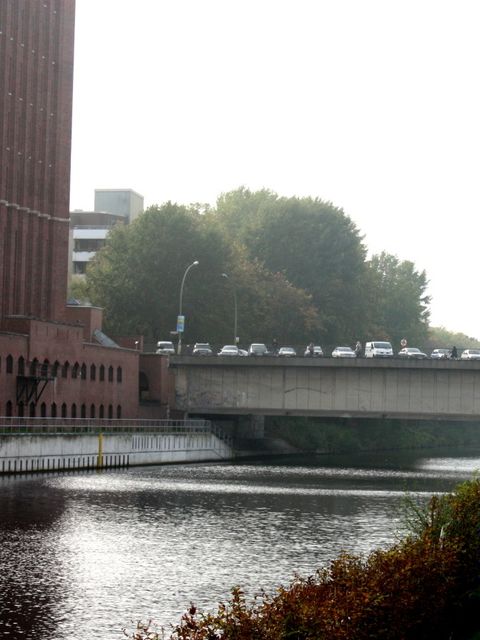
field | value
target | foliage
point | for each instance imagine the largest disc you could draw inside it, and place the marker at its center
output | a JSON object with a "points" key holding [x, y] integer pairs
{"points": [[398, 300], [296, 265], [339, 435], [439, 337], [137, 278], [426, 586], [78, 289], [314, 244]]}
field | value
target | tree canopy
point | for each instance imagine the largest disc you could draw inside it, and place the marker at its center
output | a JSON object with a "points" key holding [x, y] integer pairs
{"points": [[297, 268], [137, 277], [314, 244], [398, 299]]}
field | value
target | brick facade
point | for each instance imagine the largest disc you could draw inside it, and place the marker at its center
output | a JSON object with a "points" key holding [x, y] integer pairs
{"points": [[41, 339]]}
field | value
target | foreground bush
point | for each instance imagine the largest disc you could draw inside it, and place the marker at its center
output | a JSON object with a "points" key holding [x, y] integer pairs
{"points": [[424, 588]]}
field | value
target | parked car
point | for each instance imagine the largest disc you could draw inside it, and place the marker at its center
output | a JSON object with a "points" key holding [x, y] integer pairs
{"points": [[242, 352], [470, 354], [202, 349], [378, 350], [165, 347], [343, 352], [287, 352], [440, 354], [314, 351], [229, 350], [257, 349], [412, 352]]}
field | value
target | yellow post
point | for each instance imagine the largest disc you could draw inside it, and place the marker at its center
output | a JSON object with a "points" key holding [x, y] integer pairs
{"points": [[100, 451]]}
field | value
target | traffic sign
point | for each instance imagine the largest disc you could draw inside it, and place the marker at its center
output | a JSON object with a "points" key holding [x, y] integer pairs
{"points": [[180, 324], [403, 342]]}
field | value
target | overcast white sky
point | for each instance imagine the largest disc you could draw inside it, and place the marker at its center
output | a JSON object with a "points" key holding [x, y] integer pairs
{"points": [[373, 105]]}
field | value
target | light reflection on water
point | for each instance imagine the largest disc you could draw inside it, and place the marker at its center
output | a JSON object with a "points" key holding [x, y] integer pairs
{"points": [[82, 554]]}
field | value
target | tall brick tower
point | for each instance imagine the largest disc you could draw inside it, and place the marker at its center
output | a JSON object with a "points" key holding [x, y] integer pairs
{"points": [[55, 361], [36, 82]]}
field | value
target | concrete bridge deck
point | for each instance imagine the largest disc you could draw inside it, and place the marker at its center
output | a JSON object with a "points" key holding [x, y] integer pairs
{"points": [[380, 388]]}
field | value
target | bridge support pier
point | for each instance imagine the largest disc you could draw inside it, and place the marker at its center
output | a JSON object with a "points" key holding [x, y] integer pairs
{"points": [[251, 426]]}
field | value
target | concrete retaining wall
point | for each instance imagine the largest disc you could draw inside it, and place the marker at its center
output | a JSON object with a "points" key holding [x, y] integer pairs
{"points": [[22, 453]]}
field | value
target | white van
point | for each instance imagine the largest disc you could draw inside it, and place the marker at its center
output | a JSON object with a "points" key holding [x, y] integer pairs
{"points": [[378, 350]]}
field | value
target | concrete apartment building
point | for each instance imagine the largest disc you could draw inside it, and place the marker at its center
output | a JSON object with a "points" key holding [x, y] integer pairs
{"points": [[54, 359], [89, 229]]}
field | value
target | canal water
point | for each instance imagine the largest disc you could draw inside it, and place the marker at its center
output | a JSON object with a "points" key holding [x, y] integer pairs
{"points": [[83, 555]]}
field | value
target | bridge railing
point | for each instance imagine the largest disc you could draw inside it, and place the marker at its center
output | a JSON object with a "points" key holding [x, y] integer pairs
{"points": [[58, 426]]}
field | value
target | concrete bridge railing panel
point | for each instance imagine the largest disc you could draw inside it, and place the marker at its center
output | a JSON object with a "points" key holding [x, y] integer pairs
{"points": [[423, 389]]}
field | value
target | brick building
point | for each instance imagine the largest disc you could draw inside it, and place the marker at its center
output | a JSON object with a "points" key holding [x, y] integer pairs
{"points": [[54, 358]]}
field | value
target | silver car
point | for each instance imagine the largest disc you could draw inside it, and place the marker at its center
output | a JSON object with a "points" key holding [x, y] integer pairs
{"points": [[470, 354], [343, 352], [229, 350], [412, 352], [165, 348], [287, 352], [440, 354], [313, 352], [202, 349], [257, 349]]}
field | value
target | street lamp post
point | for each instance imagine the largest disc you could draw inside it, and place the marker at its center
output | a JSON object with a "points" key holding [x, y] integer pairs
{"points": [[235, 337], [180, 319]]}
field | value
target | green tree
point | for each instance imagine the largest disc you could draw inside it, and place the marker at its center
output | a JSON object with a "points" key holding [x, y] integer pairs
{"points": [[441, 337], [398, 300], [314, 244], [136, 277]]}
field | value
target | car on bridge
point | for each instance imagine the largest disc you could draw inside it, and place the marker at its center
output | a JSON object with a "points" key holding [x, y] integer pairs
{"points": [[441, 354], [412, 353], [378, 349], [229, 350], [287, 352], [202, 349], [343, 352], [313, 351], [165, 347], [258, 349], [470, 354]]}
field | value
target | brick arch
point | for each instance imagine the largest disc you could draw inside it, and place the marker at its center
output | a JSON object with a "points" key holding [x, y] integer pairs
{"points": [[34, 367]]}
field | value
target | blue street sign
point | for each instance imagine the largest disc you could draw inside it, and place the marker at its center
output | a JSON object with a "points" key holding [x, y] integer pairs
{"points": [[180, 324]]}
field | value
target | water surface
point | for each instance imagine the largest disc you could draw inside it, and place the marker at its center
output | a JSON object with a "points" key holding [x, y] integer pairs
{"points": [[83, 554]]}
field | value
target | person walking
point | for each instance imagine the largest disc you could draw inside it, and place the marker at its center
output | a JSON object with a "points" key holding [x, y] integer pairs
{"points": [[358, 349], [454, 355]]}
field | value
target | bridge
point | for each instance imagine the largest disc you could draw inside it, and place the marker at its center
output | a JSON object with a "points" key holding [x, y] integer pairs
{"points": [[390, 388]]}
